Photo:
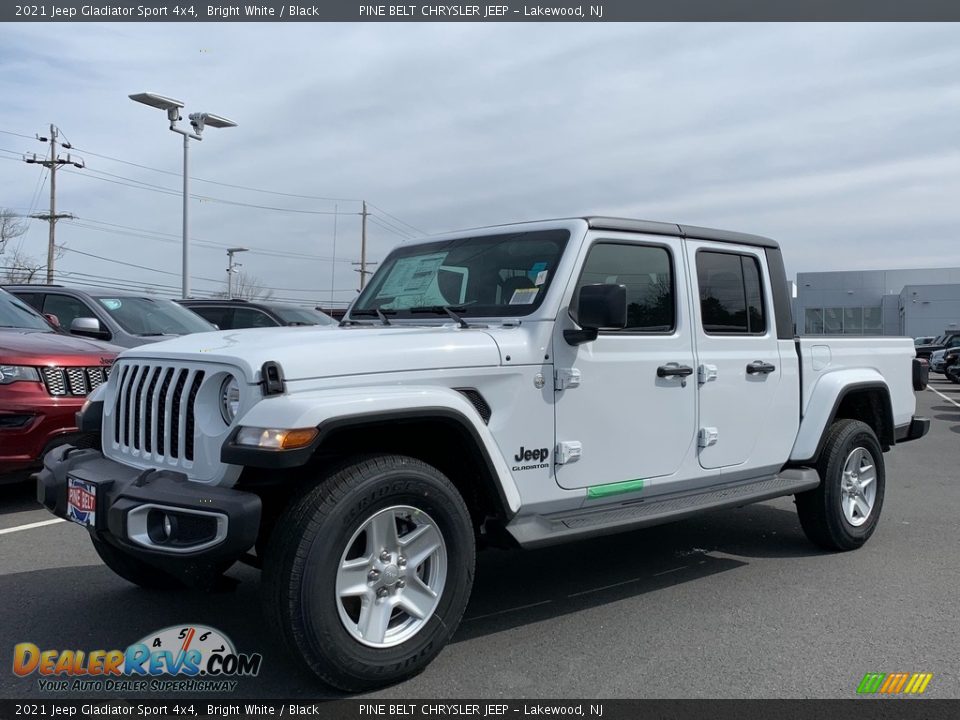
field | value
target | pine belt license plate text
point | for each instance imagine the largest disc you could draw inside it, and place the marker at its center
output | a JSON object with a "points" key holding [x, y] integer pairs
{"points": [[81, 502]]}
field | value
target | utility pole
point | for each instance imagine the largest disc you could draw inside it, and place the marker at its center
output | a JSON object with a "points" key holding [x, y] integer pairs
{"points": [[53, 165], [363, 248]]}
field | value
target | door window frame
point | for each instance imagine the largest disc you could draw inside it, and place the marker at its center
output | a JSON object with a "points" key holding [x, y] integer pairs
{"points": [[763, 292]]}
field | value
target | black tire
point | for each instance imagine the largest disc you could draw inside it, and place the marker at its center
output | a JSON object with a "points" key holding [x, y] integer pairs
{"points": [[953, 373], [133, 570], [820, 511], [304, 553]]}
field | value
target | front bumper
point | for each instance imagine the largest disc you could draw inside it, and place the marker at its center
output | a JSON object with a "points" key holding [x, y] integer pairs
{"points": [[208, 526]]}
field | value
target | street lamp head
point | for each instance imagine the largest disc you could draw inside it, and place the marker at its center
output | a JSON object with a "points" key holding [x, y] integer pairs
{"points": [[237, 250], [201, 120], [158, 101]]}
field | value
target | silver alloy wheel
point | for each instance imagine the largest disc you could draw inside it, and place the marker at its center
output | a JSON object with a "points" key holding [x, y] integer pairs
{"points": [[391, 576], [858, 486]]}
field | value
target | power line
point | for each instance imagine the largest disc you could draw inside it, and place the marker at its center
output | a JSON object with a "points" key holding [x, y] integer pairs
{"points": [[402, 222], [139, 185], [222, 184], [208, 244]]}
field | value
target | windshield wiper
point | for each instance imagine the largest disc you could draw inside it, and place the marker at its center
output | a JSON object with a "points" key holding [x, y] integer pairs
{"points": [[380, 314], [450, 310]]}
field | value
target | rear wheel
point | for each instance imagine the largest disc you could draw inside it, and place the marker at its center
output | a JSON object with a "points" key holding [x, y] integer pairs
{"points": [[368, 573], [842, 512]]}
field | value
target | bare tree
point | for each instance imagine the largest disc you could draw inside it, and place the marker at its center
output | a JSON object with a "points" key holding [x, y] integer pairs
{"points": [[247, 287], [18, 268], [11, 226]]}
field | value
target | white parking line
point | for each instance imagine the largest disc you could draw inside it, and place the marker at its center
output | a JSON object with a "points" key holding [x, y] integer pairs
{"points": [[949, 400], [31, 525]]}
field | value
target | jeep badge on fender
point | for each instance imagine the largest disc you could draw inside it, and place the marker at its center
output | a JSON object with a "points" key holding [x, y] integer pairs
{"points": [[388, 440]]}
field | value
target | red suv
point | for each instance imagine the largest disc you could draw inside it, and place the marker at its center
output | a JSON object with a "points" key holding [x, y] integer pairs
{"points": [[45, 375]]}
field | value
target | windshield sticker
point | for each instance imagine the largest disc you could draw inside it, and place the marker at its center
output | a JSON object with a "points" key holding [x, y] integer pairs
{"points": [[110, 304], [411, 276], [541, 278], [524, 296]]}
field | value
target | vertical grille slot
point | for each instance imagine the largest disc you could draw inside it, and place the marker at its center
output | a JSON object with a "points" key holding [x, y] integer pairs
{"points": [[76, 380], [175, 414], [118, 410], [150, 411], [54, 380], [95, 377], [138, 406], [191, 415], [163, 413]]}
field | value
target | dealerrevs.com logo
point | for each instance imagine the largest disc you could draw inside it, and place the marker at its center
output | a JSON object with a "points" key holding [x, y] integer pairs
{"points": [[184, 658]]}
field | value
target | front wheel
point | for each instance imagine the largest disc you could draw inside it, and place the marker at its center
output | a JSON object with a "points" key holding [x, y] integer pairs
{"points": [[368, 573], [842, 512]]}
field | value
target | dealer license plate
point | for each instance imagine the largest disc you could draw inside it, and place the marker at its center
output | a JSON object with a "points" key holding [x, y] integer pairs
{"points": [[81, 502]]}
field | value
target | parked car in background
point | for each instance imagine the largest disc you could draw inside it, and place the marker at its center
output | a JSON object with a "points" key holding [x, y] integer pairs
{"points": [[924, 340], [937, 363], [951, 364], [236, 314], [45, 376], [122, 318], [948, 340]]}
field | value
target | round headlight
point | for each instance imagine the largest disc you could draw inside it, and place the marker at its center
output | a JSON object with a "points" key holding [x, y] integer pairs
{"points": [[229, 399]]}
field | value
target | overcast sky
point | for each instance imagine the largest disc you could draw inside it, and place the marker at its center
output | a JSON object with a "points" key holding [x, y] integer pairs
{"points": [[840, 141]]}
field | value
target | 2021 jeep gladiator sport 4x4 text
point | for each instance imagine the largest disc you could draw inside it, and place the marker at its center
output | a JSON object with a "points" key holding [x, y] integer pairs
{"points": [[529, 384]]}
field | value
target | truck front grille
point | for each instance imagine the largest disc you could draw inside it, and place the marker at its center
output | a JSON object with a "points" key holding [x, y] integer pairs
{"points": [[154, 410], [73, 381]]}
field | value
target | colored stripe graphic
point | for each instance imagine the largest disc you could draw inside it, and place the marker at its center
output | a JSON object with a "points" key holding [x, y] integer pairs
{"points": [[601, 491], [894, 683]]}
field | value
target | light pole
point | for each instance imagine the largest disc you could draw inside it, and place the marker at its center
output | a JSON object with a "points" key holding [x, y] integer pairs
{"points": [[197, 121], [231, 268]]}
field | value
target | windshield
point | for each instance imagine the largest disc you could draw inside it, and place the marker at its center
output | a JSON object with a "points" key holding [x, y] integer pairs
{"points": [[293, 315], [153, 316], [490, 275], [15, 313]]}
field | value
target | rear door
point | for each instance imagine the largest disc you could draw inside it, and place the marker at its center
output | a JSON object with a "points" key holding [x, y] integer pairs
{"points": [[739, 369]]}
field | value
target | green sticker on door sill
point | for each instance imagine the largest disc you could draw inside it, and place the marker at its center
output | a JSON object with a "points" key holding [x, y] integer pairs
{"points": [[602, 491]]}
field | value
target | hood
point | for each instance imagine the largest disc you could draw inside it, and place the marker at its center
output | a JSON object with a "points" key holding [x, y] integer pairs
{"points": [[37, 347], [323, 351]]}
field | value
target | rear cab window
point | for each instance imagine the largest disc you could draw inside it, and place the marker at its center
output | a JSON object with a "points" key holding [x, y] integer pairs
{"points": [[731, 293]]}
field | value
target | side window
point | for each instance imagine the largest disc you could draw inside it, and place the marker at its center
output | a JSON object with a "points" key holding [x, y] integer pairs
{"points": [[250, 318], [219, 316], [66, 308], [34, 300], [647, 272], [731, 294]]}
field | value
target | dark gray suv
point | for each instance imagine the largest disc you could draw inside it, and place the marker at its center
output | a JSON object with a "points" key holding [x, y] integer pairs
{"points": [[122, 318]]}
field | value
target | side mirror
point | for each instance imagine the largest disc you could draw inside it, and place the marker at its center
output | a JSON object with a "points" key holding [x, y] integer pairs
{"points": [[52, 319], [599, 307], [88, 327]]}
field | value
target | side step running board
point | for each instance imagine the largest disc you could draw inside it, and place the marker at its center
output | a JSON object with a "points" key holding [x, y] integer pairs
{"points": [[540, 530]]}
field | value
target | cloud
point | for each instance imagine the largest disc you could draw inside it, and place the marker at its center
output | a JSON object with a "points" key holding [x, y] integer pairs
{"points": [[838, 140]]}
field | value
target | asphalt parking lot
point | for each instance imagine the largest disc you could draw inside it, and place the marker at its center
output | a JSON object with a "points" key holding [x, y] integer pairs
{"points": [[733, 604]]}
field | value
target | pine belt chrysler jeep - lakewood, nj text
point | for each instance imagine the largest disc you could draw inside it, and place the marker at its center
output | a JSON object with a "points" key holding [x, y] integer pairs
{"points": [[525, 384]]}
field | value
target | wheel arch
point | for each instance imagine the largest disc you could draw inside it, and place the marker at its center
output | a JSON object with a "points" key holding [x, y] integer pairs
{"points": [[866, 399]]}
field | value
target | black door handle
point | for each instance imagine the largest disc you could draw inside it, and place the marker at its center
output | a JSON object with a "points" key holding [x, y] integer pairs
{"points": [[674, 371], [759, 367]]}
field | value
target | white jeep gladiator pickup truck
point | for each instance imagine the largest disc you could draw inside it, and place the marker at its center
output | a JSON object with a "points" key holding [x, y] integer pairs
{"points": [[525, 384]]}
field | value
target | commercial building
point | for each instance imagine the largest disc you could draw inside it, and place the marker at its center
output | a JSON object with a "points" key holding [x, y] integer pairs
{"points": [[878, 302]]}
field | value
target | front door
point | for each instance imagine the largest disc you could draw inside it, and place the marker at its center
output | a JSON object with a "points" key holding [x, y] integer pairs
{"points": [[630, 422]]}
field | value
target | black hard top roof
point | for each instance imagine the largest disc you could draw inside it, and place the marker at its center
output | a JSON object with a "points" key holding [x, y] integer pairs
{"points": [[686, 231]]}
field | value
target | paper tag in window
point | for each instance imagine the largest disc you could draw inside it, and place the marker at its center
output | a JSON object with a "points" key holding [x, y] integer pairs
{"points": [[541, 278], [524, 296]]}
